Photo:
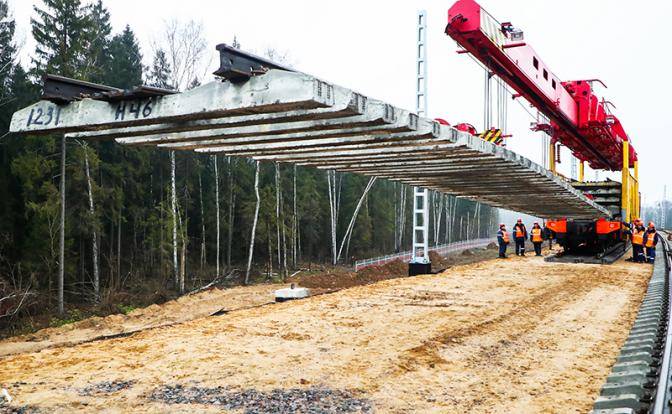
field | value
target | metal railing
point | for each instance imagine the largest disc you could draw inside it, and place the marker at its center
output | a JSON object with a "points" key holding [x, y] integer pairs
{"points": [[441, 249]]}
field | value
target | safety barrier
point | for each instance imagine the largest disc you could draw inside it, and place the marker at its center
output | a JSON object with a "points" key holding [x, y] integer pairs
{"points": [[441, 249]]}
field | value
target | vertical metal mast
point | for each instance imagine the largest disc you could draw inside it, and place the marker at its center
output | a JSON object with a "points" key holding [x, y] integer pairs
{"points": [[545, 142], [420, 195], [663, 213], [487, 101]]}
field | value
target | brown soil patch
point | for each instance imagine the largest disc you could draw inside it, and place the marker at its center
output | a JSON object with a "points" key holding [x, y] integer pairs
{"points": [[341, 278], [183, 309]]}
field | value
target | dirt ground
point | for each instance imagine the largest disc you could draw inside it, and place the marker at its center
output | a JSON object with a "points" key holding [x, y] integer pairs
{"points": [[321, 279], [175, 311], [517, 335]]}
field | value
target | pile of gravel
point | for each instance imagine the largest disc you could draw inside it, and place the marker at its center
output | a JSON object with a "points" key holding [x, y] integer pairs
{"points": [[105, 387], [25, 409], [311, 400]]}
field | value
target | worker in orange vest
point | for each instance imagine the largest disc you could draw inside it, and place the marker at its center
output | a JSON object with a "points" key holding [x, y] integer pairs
{"points": [[519, 235], [536, 238], [650, 241], [637, 238], [502, 240]]}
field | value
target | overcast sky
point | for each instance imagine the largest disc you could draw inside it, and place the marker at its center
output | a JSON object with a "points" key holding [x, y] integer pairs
{"points": [[369, 46]]}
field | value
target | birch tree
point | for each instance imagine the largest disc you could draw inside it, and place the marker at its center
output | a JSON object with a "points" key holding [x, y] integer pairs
{"points": [[348, 231], [94, 232], [185, 47], [173, 210], [186, 51], [61, 237], [203, 238], [334, 190], [277, 209], [295, 221], [231, 216], [437, 209], [217, 213], [254, 224], [400, 218]]}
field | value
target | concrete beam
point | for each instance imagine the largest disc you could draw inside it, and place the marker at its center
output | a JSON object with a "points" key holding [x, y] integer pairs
{"points": [[377, 114], [280, 92], [341, 109], [295, 118]]}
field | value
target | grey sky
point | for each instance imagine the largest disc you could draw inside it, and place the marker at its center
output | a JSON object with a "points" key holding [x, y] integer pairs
{"points": [[369, 46]]}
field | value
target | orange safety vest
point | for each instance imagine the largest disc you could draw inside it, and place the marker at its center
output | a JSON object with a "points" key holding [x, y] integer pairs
{"points": [[650, 240], [536, 236], [519, 232], [505, 236], [637, 237]]}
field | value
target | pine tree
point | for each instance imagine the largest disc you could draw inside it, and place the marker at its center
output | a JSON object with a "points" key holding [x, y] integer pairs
{"points": [[60, 31], [159, 73], [14, 94], [97, 42], [125, 68], [7, 49]]}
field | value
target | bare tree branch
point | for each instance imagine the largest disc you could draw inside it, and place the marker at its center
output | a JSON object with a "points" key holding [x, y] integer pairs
{"points": [[186, 48], [24, 295]]}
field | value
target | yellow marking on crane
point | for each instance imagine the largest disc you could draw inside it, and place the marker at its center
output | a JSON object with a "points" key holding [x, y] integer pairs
{"points": [[492, 135]]}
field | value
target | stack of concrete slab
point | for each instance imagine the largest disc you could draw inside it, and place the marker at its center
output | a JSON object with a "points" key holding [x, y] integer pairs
{"points": [[291, 117]]}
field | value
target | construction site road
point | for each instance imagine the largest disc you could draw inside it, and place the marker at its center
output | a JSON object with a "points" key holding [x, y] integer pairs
{"points": [[500, 336]]}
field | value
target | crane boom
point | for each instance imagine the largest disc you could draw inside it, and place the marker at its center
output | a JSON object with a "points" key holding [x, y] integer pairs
{"points": [[579, 119]]}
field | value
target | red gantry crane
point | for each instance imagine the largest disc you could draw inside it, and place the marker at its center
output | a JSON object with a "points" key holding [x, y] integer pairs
{"points": [[579, 120]]}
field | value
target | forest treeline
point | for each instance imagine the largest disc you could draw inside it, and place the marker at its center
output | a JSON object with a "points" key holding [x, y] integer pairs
{"points": [[129, 222]]}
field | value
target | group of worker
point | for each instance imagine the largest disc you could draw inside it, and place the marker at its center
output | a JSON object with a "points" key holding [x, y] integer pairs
{"points": [[644, 240], [520, 235]]}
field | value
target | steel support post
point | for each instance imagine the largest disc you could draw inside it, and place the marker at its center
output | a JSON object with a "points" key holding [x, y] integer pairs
{"points": [[582, 171], [551, 156], [636, 200], [625, 185]]}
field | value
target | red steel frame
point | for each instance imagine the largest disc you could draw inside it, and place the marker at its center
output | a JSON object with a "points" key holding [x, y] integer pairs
{"points": [[579, 119]]}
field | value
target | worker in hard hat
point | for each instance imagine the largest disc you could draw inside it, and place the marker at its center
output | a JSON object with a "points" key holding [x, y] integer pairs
{"points": [[536, 237], [519, 235], [637, 239], [650, 241], [502, 240]]}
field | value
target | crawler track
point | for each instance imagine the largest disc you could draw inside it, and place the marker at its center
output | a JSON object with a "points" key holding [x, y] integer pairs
{"points": [[609, 257], [640, 380]]}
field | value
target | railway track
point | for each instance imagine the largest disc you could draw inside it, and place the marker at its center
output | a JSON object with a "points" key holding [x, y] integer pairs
{"points": [[641, 379]]}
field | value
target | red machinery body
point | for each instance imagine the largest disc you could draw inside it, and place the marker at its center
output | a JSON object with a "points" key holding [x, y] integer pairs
{"points": [[579, 119], [464, 127]]}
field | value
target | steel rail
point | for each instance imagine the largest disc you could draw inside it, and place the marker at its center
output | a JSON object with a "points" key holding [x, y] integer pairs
{"points": [[640, 379], [663, 395]]}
